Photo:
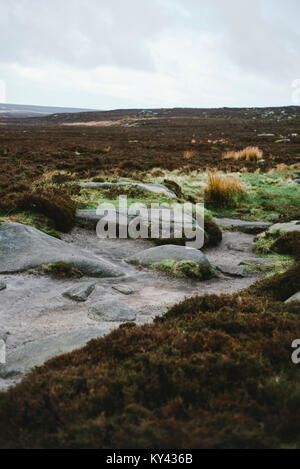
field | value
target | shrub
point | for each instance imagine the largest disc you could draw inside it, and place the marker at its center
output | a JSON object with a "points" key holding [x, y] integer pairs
{"points": [[214, 234], [288, 243], [279, 287], [247, 154], [53, 203], [223, 191], [214, 372]]}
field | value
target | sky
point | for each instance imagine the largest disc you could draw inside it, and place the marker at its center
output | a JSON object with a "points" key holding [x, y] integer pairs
{"points": [[150, 53]]}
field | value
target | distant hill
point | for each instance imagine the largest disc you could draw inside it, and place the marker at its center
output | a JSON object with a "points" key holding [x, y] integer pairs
{"points": [[21, 111]]}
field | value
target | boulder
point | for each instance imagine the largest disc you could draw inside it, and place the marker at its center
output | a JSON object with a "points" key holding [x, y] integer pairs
{"points": [[165, 223], [24, 247], [256, 261], [124, 289], [111, 310], [295, 297], [285, 227], [168, 252], [80, 292], [233, 271], [149, 188], [249, 227], [2, 285], [36, 353]]}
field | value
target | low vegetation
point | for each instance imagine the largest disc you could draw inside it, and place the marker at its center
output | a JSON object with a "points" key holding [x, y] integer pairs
{"points": [[214, 372], [223, 191], [60, 270], [184, 269], [247, 154], [279, 287]]}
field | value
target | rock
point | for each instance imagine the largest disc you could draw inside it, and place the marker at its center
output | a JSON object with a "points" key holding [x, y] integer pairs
{"points": [[257, 261], [168, 252], [150, 188], [295, 297], [249, 227], [124, 289], [24, 247], [295, 176], [36, 353], [2, 286], [165, 223], [297, 181], [233, 271], [80, 292], [90, 218], [285, 227], [111, 310]]}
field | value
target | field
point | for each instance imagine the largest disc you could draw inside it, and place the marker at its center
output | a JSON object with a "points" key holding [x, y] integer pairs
{"points": [[210, 366]]}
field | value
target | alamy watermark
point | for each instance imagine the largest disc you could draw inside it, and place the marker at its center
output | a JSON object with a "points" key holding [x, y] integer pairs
{"points": [[159, 221]]}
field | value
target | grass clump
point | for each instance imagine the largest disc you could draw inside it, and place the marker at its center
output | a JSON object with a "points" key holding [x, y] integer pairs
{"points": [[214, 372], [247, 154], [184, 269], [223, 191], [61, 270]]}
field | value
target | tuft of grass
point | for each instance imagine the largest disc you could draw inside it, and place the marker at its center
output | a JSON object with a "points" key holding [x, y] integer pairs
{"points": [[223, 191], [183, 269], [247, 154]]}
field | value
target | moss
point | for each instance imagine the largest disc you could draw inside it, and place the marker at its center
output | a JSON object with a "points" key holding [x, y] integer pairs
{"points": [[183, 269], [214, 372], [61, 270]]}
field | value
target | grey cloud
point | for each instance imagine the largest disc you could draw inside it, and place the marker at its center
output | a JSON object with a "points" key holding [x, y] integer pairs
{"points": [[82, 33]]}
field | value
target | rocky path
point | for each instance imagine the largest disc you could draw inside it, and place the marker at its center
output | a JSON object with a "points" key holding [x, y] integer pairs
{"points": [[42, 322]]}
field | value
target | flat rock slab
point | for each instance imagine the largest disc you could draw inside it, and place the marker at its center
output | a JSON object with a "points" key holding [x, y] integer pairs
{"points": [[295, 297], [2, 286], [168, 252], [249, 227], [285, 227], [233, 271], [254, 262], [36, 353], [149, 188], [24, 247], [161, 216], [80, 292], [111, 310], [124, 289]]}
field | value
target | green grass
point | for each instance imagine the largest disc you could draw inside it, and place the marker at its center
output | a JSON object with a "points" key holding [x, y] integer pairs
{"points": [[267, 193], [183, 269]]}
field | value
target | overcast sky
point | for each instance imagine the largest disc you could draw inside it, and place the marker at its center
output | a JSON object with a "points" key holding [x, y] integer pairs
{"points": [[150, 53]]}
